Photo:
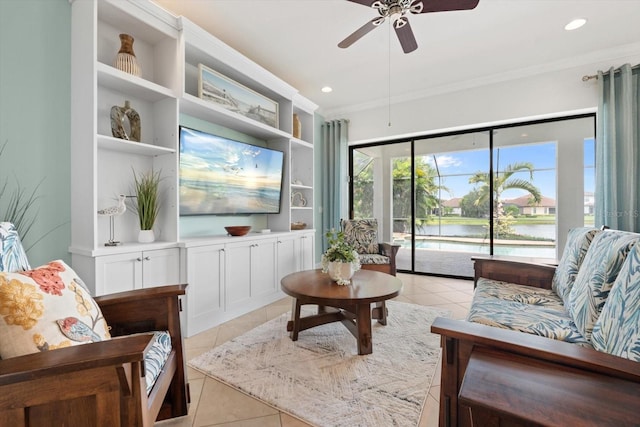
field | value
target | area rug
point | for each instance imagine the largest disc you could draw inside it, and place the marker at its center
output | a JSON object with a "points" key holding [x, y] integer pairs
{"points": [[322, 380]]}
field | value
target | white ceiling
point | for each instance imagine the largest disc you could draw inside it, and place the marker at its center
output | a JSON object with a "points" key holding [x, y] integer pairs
{"points": [[498, 40]]}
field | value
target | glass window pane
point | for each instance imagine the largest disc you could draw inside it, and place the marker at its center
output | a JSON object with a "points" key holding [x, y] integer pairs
{"points": [[589, 181], [453, 222], [362, 185]]}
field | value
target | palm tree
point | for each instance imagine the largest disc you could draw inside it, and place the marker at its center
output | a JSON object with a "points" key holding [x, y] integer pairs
{"points": [[503, 181], [427, 189]]}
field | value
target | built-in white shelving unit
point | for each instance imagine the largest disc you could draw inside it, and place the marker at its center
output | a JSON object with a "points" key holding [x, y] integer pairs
{"points": [[169, 50]]}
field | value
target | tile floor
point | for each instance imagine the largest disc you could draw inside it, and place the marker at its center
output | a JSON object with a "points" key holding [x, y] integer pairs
{"points": [[215, 404]]}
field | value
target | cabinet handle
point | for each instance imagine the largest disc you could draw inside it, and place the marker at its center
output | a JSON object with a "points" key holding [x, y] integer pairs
{"points": [[147, 258], [138, 259], [222, 250]]}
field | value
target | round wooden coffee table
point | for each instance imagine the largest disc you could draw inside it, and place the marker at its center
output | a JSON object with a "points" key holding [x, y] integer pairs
{"points": [[349, 304]]}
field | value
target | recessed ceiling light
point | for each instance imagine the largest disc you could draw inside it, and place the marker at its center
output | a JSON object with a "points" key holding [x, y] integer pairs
{"points": [[575, 24], [327, 89]]}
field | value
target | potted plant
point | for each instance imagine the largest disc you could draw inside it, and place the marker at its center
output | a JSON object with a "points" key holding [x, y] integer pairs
{"points": [[341, 260], [147, 204]]}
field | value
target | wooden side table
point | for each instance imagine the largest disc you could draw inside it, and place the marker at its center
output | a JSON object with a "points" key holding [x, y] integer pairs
{"points": [[503, 389]]}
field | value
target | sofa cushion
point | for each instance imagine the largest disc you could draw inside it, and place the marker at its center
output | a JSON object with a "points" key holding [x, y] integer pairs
{"points": [[617, 330], [597, 274], [373, 259], [46, 308], [537, 319], [578, 241], [12, 255], [362, 234], [487, 288], [156, 356]]}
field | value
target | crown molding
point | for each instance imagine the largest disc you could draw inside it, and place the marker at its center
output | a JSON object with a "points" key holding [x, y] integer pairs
{"points": [[591, 58]]}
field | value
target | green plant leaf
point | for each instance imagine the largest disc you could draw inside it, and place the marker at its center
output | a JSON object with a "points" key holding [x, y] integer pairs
{"points": [[147, 204]]}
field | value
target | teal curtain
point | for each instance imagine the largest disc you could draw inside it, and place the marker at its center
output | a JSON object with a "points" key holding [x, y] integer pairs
{"points": [[617, 202], [334, 153]]}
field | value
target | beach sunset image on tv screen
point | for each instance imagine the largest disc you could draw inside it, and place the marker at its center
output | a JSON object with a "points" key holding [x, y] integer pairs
{"points": [[220, 176]]}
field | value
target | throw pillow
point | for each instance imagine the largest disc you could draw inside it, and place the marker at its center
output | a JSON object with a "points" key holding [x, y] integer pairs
{"points": [[599, 270], [47, 308], [12, 255], [362, 234], [578, 241], [617, 330]]}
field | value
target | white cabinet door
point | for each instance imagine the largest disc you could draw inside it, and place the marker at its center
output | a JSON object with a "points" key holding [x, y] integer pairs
{"points": [[237, 283], [135, 270], [118, 273], [205, 294], [160, 267], [287, 257], [263, 267], [307, 244]]}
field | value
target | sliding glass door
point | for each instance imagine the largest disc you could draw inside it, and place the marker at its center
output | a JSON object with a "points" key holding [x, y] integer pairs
{"points": [[453, 223], [507, 190]]}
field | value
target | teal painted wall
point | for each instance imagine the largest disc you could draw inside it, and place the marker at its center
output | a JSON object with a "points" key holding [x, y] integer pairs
{"points": [[35, 57]]}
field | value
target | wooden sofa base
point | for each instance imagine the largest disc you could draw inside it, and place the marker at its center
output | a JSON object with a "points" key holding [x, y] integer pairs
{"points": [[461, 341]]}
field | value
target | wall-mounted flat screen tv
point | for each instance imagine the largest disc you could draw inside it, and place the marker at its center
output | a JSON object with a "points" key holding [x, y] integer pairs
{"points": [[220, 176]]}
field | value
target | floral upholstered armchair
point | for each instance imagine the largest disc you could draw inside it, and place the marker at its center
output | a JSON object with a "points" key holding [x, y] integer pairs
{"points": [[114, 360], [362, 234]]}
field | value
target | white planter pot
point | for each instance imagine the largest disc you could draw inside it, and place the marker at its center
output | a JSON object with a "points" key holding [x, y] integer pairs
{"points": [[146, 236], [341, 272]]}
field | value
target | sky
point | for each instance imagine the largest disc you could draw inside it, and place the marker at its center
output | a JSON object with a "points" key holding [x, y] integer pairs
{"points": [[457, 167]]}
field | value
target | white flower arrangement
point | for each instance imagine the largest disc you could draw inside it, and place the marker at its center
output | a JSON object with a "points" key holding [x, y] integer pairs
{"points": [[342, 253]]}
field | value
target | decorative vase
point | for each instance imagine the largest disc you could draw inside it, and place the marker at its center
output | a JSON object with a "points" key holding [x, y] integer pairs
{"points": [[126, 60], [125, 122], [341, 272], [146, 236], [297, 127]]}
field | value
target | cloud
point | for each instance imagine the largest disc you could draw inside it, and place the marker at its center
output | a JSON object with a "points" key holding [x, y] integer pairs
{"points": [[444, 161]]}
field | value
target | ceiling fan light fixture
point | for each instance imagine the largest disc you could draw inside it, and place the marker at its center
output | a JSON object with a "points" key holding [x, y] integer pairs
{"points": [[416, 7], [396, 15], [400, 22], [575, 24]]}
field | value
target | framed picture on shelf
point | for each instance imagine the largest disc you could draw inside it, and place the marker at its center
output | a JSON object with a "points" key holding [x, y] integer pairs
{"points": [[215, 87]]}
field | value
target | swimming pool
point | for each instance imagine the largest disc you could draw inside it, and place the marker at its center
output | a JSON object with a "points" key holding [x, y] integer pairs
{"points": [[472, 247]]}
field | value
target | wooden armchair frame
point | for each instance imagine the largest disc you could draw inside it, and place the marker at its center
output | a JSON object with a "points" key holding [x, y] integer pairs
{"points": [[386, 249], [102, 384], [462, 340]]}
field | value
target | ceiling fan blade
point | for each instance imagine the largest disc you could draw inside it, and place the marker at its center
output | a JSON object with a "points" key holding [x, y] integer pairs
{"points": [[445, 5], [367, 3], [360, 32], [406, 37]]}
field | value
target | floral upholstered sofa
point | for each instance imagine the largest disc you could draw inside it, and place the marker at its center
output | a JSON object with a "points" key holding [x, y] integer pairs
{"points": [[584, 313]]}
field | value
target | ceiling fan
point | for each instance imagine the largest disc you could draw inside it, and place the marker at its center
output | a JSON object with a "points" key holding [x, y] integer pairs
{"points": [[396, 11]]}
